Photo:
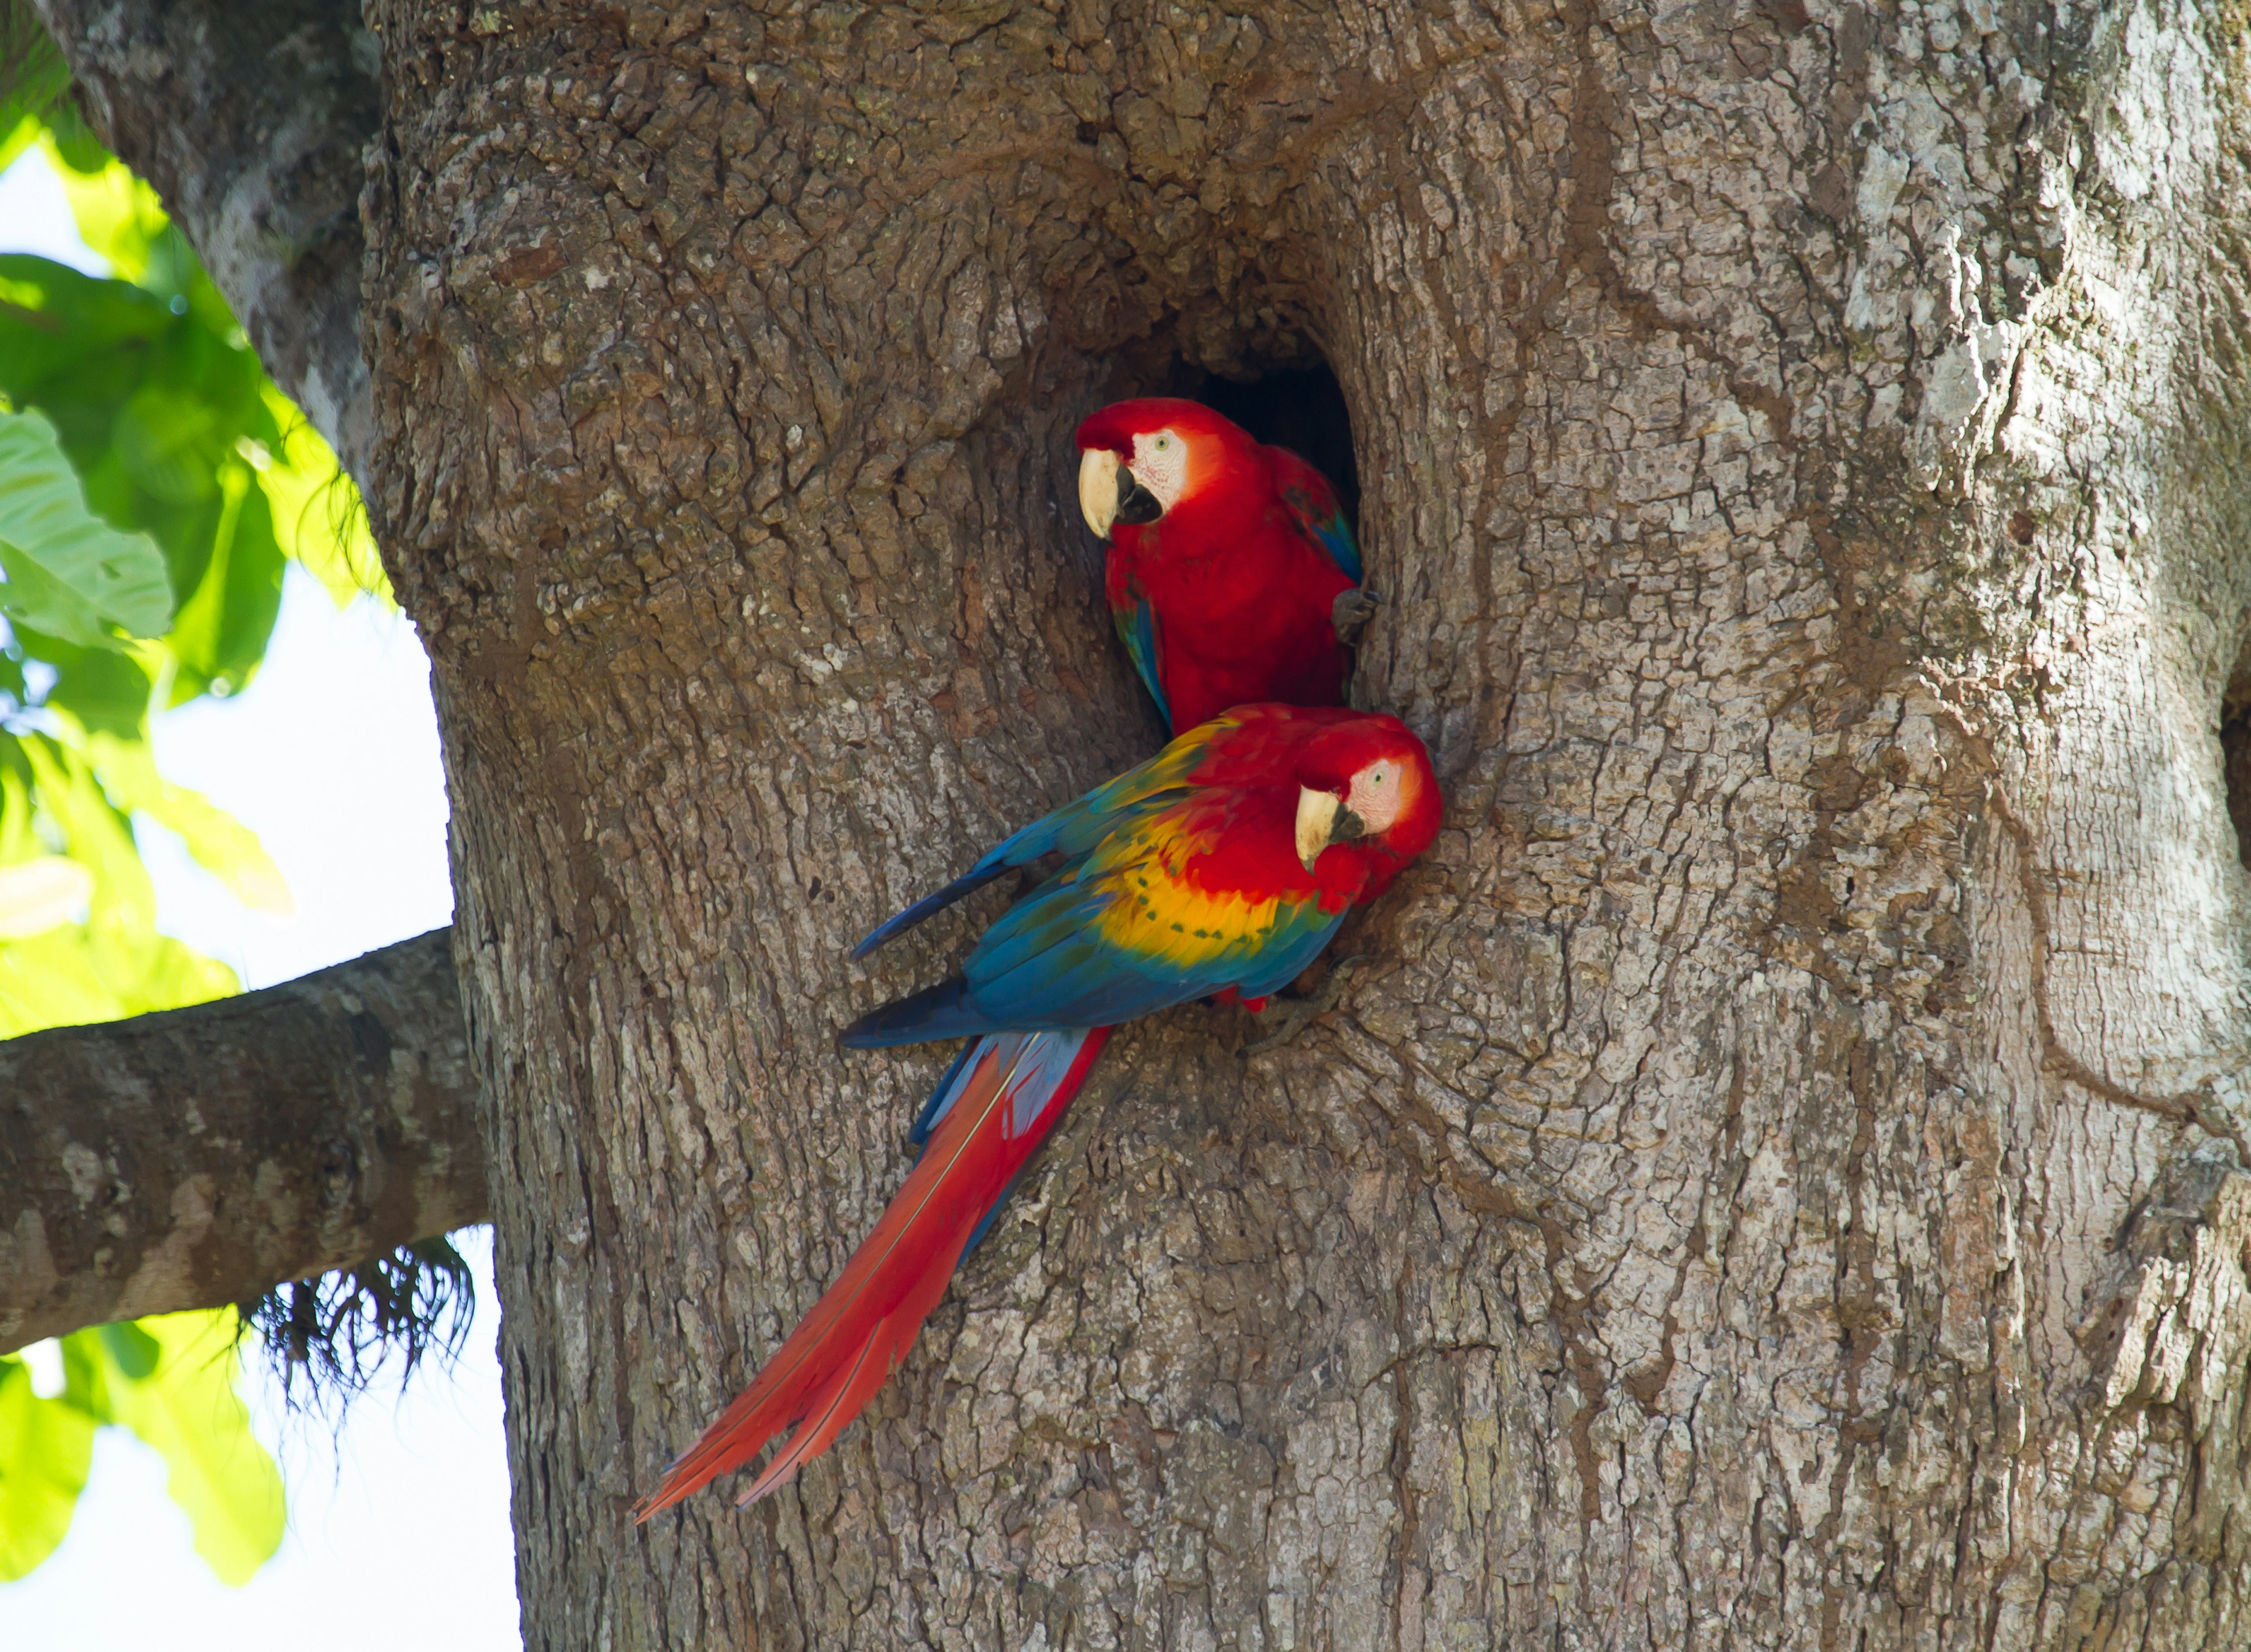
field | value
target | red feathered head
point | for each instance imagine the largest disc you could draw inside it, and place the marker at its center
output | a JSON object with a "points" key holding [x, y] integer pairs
{"points": [[1138, 460], [1366, 778]]}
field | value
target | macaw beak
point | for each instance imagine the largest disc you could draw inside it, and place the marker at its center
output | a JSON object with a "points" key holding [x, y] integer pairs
{"points": [[1322, 820], [1108, 493]]}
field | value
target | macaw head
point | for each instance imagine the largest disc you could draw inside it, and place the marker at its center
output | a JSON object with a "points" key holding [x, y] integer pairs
{"points": [[1139, 461], [1366, 779]]}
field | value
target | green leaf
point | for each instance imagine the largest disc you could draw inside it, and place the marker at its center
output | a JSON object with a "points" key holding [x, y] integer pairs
{"points": [[70, 975], [186, 1407], [32, 596], [175, 433], [120, 218], [171, 1379], [101, 689], [48, 1447], [156, 410], [171, 443], [94, 832], [114, 964], [18, 132], [76, 345], [220, 634], [69, 573], [132, 1350]]}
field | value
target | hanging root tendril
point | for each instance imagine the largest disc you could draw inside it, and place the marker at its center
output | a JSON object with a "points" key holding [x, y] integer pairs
{"points": [[335, 1332]]}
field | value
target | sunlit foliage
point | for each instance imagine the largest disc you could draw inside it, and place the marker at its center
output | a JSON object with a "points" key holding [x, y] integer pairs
{"points": [[172, 1381], [153, 486]]}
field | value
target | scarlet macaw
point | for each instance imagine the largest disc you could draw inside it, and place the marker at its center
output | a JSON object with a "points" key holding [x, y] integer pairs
{"points": [[1223, 864], [1232, 578], [1232, 575]]}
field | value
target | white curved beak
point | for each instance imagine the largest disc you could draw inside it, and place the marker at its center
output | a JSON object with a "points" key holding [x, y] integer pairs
{"points": [[1097, 490], [1317, 813], [1322, 820]]}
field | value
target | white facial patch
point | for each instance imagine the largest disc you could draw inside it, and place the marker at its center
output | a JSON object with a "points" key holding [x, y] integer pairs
{"points": [[1160, 464], [1377, 795]]}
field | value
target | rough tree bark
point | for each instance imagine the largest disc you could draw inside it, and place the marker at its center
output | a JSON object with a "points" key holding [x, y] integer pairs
{"points": [[1774, 1179]]}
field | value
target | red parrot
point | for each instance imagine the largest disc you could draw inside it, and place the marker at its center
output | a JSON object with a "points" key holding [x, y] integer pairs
{"points": [[1232, 578], [1232, 575], [1223, 864]]}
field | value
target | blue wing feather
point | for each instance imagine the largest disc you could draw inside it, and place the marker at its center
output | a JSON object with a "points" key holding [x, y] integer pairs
{"points": [[1076, 981], [1045, 963], [971, 881], [1137, 629], [1091, 985], [1072, 830], [1305, 494], [1336, 538]]}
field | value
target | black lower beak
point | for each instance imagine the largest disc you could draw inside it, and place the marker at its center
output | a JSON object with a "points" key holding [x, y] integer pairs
{"points": [[1136, 503], [1347, 826]]}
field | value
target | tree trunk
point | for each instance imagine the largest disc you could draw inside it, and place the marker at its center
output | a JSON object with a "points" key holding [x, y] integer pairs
{"points": [[1771, 1178]]}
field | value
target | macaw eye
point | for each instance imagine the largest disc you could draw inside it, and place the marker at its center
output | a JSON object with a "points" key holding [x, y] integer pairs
{"points": [[1163, 443]]}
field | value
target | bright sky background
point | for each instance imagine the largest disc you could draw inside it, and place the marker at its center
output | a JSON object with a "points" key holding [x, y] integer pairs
{"points": [[331, 757]]}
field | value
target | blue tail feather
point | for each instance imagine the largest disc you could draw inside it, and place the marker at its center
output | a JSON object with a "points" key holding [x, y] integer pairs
{"points": [[943, 1011], [971, 881], [941, 1098]]}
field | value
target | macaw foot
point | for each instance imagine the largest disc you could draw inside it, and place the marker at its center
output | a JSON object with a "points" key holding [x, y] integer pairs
{"points": [[1296, 1012], [1352, 611]]}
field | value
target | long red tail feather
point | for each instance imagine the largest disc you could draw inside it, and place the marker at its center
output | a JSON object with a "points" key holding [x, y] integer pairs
{"points": [[1005, 1100]]}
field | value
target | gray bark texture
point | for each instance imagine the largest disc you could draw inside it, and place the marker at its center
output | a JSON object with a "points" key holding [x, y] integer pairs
{"points": [[195, 1158], [1773, 1178]]}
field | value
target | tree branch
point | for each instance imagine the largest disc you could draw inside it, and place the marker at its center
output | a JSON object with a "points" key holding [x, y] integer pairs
{"points": [[201, 1156], [249, 117]]}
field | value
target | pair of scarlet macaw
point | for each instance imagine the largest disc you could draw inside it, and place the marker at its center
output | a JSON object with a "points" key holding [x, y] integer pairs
{"points": [[1219, 867]]}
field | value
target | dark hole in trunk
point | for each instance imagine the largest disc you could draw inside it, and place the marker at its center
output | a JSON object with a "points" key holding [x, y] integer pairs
{"points": [[2235, 751], [1300, 408]]}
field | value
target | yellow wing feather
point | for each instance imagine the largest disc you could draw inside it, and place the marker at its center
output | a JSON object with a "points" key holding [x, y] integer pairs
{"points": [[1155, 914]]}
